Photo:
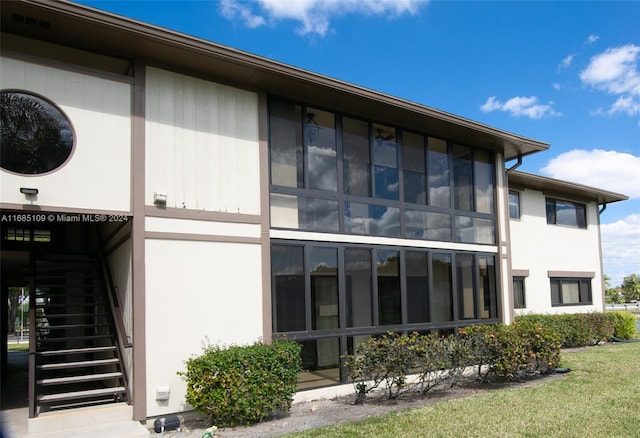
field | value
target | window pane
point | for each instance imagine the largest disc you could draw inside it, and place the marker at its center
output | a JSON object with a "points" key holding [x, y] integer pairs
{"points": [[462, 178], [427, 225], [464, 273], [323, 265], [555, 292], [566, 213], [417, 287], [438, 173], [356, 157], [487, 286], [287, 280], [414, 168], [388, 272], [483, 174], [385, 160], [300, 213], [585, 291], [581, 216], [321, 150], [570, 292], [514, 204], [372, 220], [442, 300], [551, 211], [319, 355], [285, 146], [519, 301], [359, 287], [475, 230], [414, 187]]}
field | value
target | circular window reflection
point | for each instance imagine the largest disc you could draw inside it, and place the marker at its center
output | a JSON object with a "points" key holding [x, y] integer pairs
{"points": [[36, 136]]}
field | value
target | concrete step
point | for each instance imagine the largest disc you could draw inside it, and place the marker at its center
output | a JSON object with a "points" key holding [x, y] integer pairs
{"points": [[113, 421]]}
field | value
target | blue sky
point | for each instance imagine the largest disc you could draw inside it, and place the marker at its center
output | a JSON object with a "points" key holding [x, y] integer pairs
{"points": [[563, 72]]}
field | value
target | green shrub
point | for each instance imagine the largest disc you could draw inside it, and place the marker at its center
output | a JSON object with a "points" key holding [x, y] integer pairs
{"points": [[243, 384], [624, 324], [575, 330]]}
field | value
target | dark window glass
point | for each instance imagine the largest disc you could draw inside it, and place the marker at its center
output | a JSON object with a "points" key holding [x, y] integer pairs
{"points": [[388, 274], [372, 220], [322, 355], [462, 178], [321, 150], [427, 225], [438, 173], [385, 160], [464, 273], [285, 145], [514, 204], [570, 291], [356, 157], [417, 266], [323, 267], [483, 174], [287, 277], [442, 300], [519, 298], [414, 168], [301, 213], [487, 287], [36, 137], [566, 213], [359, 287]]}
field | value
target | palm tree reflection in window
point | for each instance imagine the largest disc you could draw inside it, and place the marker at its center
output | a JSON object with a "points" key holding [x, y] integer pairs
{"points": [[36, 136]]}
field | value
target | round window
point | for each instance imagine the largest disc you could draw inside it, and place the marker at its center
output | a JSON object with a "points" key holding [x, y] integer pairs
{"points": [[36, 136]]}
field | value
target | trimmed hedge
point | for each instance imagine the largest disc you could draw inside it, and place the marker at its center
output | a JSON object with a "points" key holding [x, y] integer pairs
{"points": [[243, 384], [584, 329], [498, 351]]}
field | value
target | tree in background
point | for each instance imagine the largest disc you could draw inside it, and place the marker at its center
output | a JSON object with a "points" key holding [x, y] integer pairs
{"points": [[612, 295], [630, 288]]}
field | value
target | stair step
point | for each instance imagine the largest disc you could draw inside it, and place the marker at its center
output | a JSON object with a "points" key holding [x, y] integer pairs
{"points": [[53, 398], [77, 350], [70, 315], [78, 364], [72, 326], [79, 379], [73, 338]]}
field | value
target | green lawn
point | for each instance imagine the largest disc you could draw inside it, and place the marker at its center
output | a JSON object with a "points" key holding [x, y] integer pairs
{"points": [[19, 347], [600, 397]]}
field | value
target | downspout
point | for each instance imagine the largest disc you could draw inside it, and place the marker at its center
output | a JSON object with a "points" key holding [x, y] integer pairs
{"points": [[604, 207], [515, 166]]}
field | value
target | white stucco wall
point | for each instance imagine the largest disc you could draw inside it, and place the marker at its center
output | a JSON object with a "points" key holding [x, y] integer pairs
{"points": [[196, 291], [97, 176], [540, 248], [201, 144]]}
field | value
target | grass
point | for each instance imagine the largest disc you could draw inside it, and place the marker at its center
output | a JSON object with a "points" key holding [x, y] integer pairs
{"points": [[19, 347], [600, 397]]}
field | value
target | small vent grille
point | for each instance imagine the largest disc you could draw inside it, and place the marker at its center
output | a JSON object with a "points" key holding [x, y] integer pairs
{"points": [[31, 21]]}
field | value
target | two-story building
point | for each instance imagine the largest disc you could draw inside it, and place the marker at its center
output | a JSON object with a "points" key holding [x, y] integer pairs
{"points": [[159, 190]]}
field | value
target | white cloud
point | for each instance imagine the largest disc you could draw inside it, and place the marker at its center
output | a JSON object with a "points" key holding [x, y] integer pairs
{"points": [[609, 170], [621, 248], [520, 106], [566, 62], [592, 39], [314, 16]]}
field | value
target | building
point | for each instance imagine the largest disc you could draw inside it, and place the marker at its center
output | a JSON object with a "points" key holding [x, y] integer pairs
{"points": [[195, 192]]}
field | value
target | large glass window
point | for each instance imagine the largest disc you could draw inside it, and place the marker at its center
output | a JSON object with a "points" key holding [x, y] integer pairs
{"points": [[488, 293], [417, 272], [287, 274], [567, 213], [323, 264], [388, 274], [442, 297], [570, 291], [36, 136], [519, 295], [338, 174], [464, 273], [359, 294]]}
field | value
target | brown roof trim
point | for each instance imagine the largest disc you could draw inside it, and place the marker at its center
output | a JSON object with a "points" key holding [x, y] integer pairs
{"points": [[90, 29], [557, 187]]}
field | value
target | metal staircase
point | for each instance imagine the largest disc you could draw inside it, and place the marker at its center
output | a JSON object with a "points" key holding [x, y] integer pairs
{"points": [[76, 361]]}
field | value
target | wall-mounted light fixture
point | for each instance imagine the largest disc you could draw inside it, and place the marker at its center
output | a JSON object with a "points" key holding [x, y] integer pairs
{"points": [[28, 191], [160, 199]]}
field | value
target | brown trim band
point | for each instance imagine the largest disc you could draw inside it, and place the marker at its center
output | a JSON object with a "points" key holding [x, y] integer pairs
{"points": [[519, 272], [216, 216], [571, 274], [159, 235]]}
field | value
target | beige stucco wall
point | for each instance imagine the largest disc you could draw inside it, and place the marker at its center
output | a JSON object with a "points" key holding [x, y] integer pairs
{"points": [[97, 176], [540, 248]]}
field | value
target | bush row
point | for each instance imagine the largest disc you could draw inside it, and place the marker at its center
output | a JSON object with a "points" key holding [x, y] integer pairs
{"points": [[584, 329], [243, 384], [400, 363]]}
